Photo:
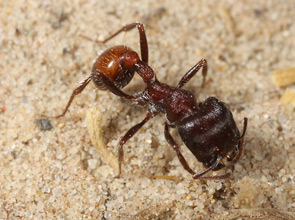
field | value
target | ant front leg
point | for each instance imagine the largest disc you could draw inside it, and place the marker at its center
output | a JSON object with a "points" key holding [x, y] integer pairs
{"points": [[201, 177], [192, 72], [183, 162], [175, 147], [240, 149], [241, 142], [130, 133], [142, 39]]}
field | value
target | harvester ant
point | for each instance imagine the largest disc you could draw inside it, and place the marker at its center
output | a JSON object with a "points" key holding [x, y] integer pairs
{"points": [[207, 128]]}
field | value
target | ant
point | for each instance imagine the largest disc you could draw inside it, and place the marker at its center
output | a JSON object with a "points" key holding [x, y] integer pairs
{"points": [[207, 128]]}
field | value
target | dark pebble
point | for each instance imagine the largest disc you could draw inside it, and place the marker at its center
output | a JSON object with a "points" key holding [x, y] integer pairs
{"points": [[44, 124]]}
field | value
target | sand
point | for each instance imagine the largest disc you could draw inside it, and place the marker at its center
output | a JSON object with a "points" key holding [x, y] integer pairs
{"points": [[59, 174]]}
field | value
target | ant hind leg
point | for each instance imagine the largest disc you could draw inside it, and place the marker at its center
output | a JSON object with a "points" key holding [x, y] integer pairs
{"points": [[109, 84], [142, 38], [126, 28], [77, 91]]}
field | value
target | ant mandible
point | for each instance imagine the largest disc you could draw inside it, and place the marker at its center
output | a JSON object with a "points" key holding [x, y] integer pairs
{"points": [[207, 129]]}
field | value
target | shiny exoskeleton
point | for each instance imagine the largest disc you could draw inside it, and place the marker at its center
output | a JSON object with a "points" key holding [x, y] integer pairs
{"points": [[109, 64], [207, 128]]}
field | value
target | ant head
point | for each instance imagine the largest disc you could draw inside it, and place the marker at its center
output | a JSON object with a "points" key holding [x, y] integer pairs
{"points": [[219, 166], [214, 160], [129, 59]]}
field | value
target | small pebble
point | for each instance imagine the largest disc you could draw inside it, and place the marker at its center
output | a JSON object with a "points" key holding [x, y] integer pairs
{"points": [[61, 125], [44, 124], [92, 163], [74, 161]]}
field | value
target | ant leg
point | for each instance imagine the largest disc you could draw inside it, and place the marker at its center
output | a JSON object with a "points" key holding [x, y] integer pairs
{"points": [[77, 91], [200, 174], [201, 177], [241, 144], [142, 39], [111, 86], [108, 83], [175, 147], [136, 99], [132, 131], [192, 72], [240, 148], [182, 160]]}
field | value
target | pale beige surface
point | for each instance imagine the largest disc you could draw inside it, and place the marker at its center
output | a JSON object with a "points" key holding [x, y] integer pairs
{"points": [[58, 174]]}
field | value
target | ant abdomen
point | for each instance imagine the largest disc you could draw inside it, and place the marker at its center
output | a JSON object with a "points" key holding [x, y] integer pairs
{"points": [[110, 64]]}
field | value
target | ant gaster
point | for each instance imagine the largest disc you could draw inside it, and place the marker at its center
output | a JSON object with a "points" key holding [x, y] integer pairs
{"points": [[207, 129]]}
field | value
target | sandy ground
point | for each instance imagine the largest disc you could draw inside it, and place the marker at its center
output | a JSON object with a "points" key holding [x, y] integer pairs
{"points": [[59, 174]]}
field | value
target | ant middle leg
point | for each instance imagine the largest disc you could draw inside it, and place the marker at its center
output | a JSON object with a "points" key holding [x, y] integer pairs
{"points": [[192, 72], [130, 133]]}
